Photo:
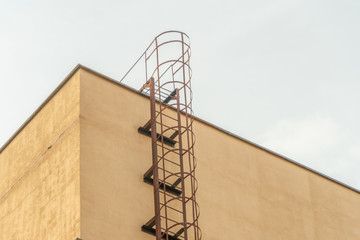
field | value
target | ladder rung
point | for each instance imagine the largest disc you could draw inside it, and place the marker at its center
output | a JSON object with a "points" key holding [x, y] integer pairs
{"points": [[152, 231], [168, 99], [167, 141], [168, 188], [174, 135], [176, 183], [179, 232]]}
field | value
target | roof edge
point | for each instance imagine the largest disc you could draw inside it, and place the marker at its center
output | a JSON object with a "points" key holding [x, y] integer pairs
{"points": [[32, 116], [79, 66]]}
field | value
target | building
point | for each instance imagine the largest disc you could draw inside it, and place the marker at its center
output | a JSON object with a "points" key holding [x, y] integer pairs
{"points": [[75, 170]]}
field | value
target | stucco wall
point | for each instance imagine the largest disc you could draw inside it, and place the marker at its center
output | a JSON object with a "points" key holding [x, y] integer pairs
{"points": [[247, 192], [65, 176], [114, 200], [244, 191], [39, 173]]}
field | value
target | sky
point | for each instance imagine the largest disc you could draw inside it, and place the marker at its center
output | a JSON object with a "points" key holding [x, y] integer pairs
{"points": [[282, 73]]}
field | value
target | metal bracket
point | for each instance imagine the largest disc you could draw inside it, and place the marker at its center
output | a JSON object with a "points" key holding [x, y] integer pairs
{"points": [[149, 228], [168, 188], [168, 141]]}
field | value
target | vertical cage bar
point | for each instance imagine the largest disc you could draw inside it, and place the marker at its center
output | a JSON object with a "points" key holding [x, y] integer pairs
{"points": [[155, 159], [181, 162]]}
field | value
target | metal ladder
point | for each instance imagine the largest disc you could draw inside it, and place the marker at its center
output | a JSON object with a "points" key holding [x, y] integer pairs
{"points": [[170, 127]]}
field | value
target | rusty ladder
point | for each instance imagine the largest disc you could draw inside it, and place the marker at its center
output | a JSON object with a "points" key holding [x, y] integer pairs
{"points": [[170, 127]]}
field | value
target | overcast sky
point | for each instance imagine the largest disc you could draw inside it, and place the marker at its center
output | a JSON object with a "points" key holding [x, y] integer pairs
{"points": [[284, 74]]}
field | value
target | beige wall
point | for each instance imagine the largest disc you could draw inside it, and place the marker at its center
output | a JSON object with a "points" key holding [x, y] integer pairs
{"points": [[244, 191], [115, 202], [39, 173], [94, 171], [256, 195]]}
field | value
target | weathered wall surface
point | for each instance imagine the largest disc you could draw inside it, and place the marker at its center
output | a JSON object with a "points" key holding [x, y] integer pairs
{"points": [[39, 173], [62, 168], [247, 192], [244, 192], [115, 202]]}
